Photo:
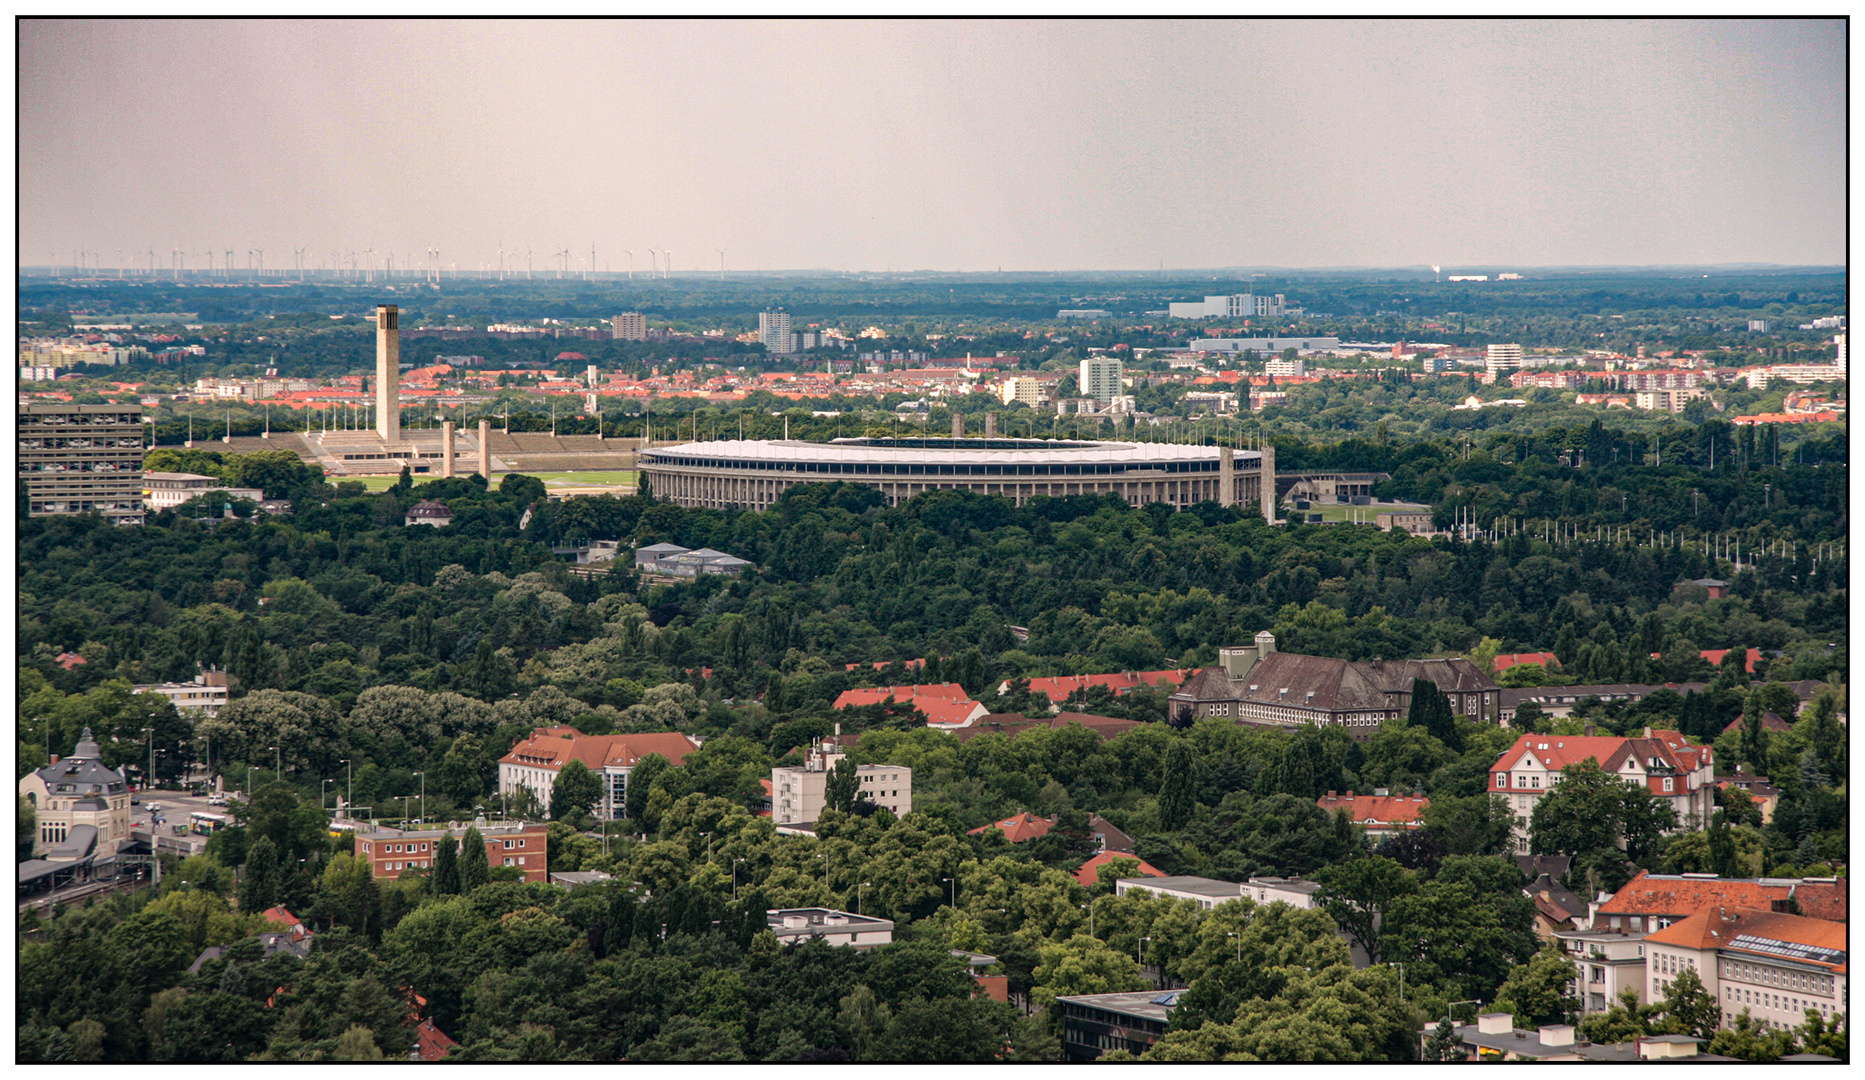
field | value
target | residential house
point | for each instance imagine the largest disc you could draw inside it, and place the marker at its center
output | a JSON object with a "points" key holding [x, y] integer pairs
{"points": [[1380, 814], [799, 794], [533, 762], [945, 705], [1764, 795], [1260, 686], [1506, 661], [1090, 872], [1018, 827], [428, 512], [1664, 762]]}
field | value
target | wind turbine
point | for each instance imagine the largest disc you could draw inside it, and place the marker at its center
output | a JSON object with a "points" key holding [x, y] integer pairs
{"points": [[565, 256], [721, 252], [434, 253], [262, 261], [119, 264], [667, 269], [501, 260], [631, 263], [229, 263], [369, 265], [181, 263], [591, 276], [527, 262], [300, 259], [654, 262]]}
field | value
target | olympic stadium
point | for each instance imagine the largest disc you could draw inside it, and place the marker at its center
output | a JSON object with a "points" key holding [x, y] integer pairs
{"points": [[753, 474]]}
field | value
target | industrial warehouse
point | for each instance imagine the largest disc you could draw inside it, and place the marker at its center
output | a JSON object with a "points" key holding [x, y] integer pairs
{"points": [[753, 474]]}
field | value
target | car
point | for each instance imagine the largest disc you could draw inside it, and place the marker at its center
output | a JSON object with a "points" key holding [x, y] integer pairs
{"points": [[216, 800], [154, 806], [135, 801]]}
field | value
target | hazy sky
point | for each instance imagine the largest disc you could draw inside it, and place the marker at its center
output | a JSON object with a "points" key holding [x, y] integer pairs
{"points": [[942, 145]]}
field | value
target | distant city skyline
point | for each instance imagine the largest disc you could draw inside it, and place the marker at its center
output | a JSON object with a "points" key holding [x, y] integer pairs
{"points": [[942, 146]]}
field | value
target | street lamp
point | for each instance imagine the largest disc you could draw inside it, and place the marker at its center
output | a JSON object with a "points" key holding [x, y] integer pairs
{"points": [[952, 882], [735, 861], [708, 837], [278, 763], [321, 785], [423, 775], [1239, 938], [858, 889], [349, 797], [404, 810], [1401, 967], [1089, 908]]}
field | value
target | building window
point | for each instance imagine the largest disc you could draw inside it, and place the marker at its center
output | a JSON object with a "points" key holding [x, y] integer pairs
{"points": [[1502, 779]]}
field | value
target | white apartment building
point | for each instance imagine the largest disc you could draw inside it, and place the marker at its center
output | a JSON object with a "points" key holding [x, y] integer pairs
{"points": [[1663, 762], [1100, 378], [1609, 963], [206, 694], [1285, 368], [1667, 400], [162, 490], [799, 794], [1235, 306], [774, 332], [630, 326], [1031, 392], [1501, 362]]}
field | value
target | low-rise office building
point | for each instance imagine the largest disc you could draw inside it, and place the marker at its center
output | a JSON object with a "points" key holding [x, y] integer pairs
{"points": [[1094, 1024], [1772, 965], [206, 694], [392, 852], [794, 926]]}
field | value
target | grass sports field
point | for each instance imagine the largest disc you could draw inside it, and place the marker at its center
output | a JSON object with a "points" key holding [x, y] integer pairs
{"points": [[551, 479]]}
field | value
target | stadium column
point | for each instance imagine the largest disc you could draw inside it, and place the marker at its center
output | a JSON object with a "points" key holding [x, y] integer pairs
{"points": [[1226, 477], [446, 449], [485, 450]]}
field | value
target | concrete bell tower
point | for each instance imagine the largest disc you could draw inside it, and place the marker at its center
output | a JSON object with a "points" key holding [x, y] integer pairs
{"points": [[388, 372]]}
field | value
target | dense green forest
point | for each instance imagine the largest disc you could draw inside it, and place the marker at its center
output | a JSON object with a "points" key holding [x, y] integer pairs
{"points": [[416, 650]]}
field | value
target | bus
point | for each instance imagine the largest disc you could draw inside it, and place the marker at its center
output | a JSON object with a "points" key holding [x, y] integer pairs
{"points": [[204, 823]]}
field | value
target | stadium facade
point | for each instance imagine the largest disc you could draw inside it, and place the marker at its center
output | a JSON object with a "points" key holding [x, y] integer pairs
{"points": [[753, 474]]}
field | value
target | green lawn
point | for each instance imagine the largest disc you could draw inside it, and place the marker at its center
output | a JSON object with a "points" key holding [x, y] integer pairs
{"points": [[614, 476]]}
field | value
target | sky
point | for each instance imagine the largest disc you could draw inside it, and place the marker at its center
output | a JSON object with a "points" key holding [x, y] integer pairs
{"points": [[949, 145]]}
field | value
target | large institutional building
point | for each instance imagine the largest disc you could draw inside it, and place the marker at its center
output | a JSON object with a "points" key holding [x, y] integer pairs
{"points": [[753, 474], [1255, 684], [1665, 763], [534, 762], [81, 458]]}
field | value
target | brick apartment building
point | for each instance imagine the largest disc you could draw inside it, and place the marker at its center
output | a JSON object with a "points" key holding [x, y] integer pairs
{"points": [[520, 844]]}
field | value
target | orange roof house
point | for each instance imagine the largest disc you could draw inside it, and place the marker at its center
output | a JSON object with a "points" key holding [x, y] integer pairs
{"points": [[1379, 813], [1090, 872], [431, 1043], [1508, 660], [1018, 827], [1650, 900], [1766, 935]]}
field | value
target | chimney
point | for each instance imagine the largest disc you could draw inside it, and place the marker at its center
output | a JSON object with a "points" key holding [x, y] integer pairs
{"points": [[1557, 1035], [1589, 731], [1647, 731], [53, 760], [1331, 794], [1499, 1023], [1265, 644], [1380, 792]]}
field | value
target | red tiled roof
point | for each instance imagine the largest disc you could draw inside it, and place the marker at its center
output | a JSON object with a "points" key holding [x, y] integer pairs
{"points": [[1090, 871], [1719, 927], [1406, 810], [1059, 687], [910, 665], [1556, 752], [1769, 722], [432, 1042], [552, 748], [1508, 660], [1018, 827], [281, 916], [875, 695], [951, 713], [1675, 896]]}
